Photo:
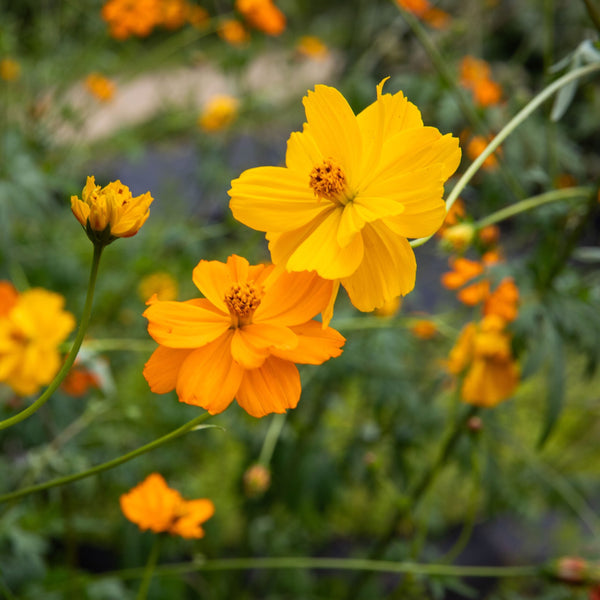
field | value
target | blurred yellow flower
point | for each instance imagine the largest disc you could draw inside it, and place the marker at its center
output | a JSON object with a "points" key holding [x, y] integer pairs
{"points": [[219, 112], [233, 32], [153, 505], [458, 237], [389, 308], [10, 69], [110, 212], [263, 15], [483, 354], [32, 325], [99, 86], [354, 189], [161, 283], [312, 47]]}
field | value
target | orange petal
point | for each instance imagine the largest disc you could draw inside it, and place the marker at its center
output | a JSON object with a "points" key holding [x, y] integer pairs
{"points": [[316, 344], [274, 387], [162, 368]]}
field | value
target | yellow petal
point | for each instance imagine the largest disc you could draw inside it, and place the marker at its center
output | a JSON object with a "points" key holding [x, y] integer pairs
{"points": [[316, 344], [302, 154], [274, 387], [387, 270], [315, 248], [250, 344], [162, 368], [327, 314], [209, 377]]}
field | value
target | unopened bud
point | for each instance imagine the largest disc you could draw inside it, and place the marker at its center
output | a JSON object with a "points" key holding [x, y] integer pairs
{"points": [[257, 479]]}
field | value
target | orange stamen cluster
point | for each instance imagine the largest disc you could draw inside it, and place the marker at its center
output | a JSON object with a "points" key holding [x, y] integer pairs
{"points": [[328, 180], [243, 299]]}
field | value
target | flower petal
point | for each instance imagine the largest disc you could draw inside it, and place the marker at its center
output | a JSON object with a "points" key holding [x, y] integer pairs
{"points": [[315, 248], [274, 387], [387, 271], [251, 344], [162, 368], [209, 377], [316, 344], [184, 325]]}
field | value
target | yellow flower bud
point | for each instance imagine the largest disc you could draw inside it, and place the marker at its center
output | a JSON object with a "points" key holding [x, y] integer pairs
{"points": [[458, 237]]}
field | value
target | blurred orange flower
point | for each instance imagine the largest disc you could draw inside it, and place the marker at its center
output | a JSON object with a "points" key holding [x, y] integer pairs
{"points": [[424, 329], [100, 86], [476, 145], [475, 75], [483, 354], [455, 214], [10, 70], [489, 235], [160, 283], [220, 112], [131, 17], [312, 47], [463, 271], [421, 8], [263, 15], [173, 13], [503, 301], [79, 381], [233, 32], [32, 325], [153, 505], [242, 339]]}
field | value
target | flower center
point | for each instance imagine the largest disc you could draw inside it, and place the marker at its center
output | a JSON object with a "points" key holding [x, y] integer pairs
{"points": [[328, 181], [242, 300]]}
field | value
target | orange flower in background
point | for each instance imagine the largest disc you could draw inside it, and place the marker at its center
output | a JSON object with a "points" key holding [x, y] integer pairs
{"points": [[475, 75], [233, 32], [424, 329], [456, 213], [263, 15], [173, 13], [219, 112], [110, 212], [476, 145], [421, 8], [489, 235], [197, 16], [464, 271], [79, 381], [99, 86], [242, 339], [32, 326], [10, 70], [153, 505], [483, 355], [503, 301], [127, 18], [160, 283], [312, 47], [389, 308], [354, 188]]}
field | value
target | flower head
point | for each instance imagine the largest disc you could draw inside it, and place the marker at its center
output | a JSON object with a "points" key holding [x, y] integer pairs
{"points": [[219, 113], [483, 354], [354, 188], [263, 15], [475, 75], [233, 32], [110, 212], [422, 9], [131, 17], [153, 505], [100, 87], [32, 325], [242, 339], [424, 329]]}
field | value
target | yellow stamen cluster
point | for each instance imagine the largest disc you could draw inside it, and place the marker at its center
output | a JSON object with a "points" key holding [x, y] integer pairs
{"points": [[243, 299], [328, 180]]}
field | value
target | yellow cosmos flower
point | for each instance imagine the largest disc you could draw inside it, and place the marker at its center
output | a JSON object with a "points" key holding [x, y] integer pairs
{"points": [[31, 329], [110, 212], [10, 69], [153, 505], [219, 112], [483, 354], [354, 188], [242, 339]]}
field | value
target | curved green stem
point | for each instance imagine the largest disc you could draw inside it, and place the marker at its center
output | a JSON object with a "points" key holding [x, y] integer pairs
{"points": [[273, 433], [107, 465], [533, 202], [521, 116], [70, 359], [149, 570]]}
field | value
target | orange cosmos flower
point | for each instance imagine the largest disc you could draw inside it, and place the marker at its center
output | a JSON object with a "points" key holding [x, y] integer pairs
{"points": [[475, 75], [242, 339], [503, 301], [233, 32], [489, 235], [110, 212], [483, 354], [354, 188], [421, 8], [173, 13], [79, 381], [424, 329], [153, 505], [463, 271], [131, 17], [476, 146], [263, 15], [99, 86]]}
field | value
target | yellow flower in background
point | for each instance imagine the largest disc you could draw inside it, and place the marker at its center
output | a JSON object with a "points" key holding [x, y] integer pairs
{"points": [[312, 47], [32, 325], [153, 505], [389, 308], [110, 212], [233, 32], [219, 112], [161, 283], [263, 15], [354, 188], [483, 354], [242, 339], [99, 86], [10, 69]]}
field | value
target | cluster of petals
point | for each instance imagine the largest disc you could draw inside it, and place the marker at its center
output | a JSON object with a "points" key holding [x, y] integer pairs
{"points": [[354, 188], [483, 355], [242, 339], [475, 75], [262, 15], [153, 505], [32, 326], [110, 212]]}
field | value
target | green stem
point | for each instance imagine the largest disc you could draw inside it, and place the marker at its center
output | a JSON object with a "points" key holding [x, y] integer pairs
{"points": [[273, 433], [534, 202], [70, 359], [149, 570], [107, 465], [593, 12], [519, 118], [122, 344]]}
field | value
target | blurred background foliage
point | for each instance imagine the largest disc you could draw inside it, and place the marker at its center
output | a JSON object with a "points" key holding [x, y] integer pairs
{"points": [[522, 485]]}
